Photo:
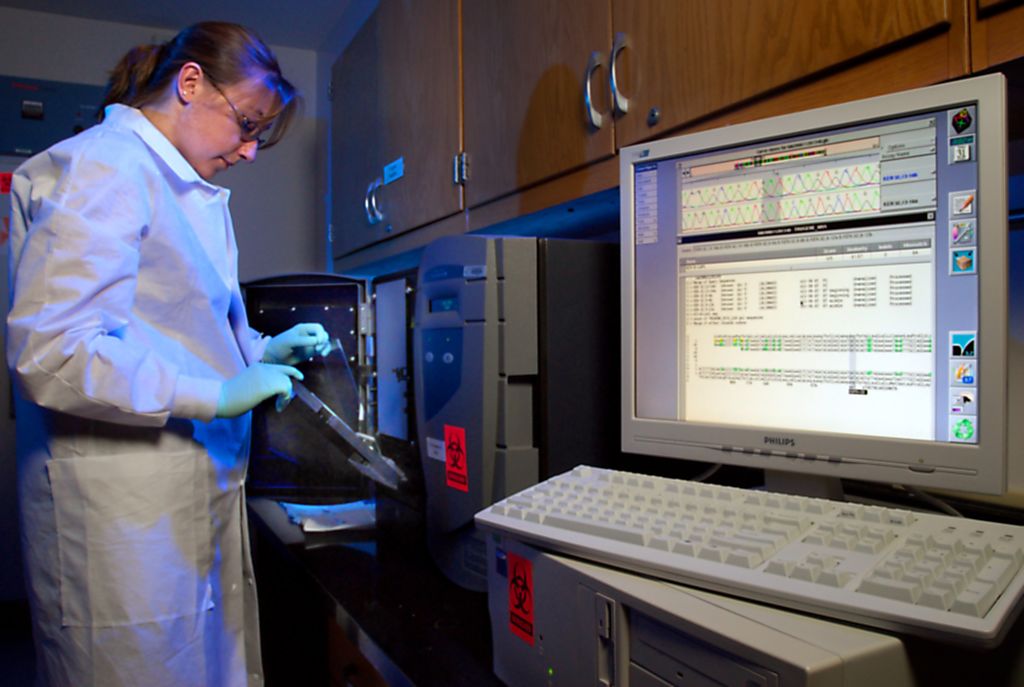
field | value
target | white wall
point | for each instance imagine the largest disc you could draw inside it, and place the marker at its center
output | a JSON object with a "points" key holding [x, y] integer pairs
{"points": [[275, 202]]}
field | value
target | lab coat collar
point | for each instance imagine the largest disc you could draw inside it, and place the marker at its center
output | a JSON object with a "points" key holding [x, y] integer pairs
{"points": [[132, 119]]}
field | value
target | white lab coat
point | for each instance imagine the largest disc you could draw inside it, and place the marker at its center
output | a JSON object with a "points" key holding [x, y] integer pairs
{"points": [[126, 318]]}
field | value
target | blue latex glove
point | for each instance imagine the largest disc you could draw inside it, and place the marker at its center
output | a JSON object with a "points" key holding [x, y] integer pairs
{"points": [[299, 343], [256, 383]]}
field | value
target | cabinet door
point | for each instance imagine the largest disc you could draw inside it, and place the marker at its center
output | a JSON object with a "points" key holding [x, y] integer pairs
{"points": [[997, 27], [524, 63], [395, 123], [687, 59], [355, 145]]}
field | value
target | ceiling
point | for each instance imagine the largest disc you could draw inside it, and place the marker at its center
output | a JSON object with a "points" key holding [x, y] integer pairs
{"points": [[307, 24]]}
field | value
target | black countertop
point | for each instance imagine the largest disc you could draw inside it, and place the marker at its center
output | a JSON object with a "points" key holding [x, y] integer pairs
{"points": [[413, 624]]}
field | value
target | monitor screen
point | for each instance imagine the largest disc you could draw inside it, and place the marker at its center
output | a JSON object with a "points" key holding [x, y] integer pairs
{"points": [[824, 292]]}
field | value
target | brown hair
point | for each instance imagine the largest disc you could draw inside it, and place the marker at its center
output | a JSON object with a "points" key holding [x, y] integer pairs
{"points": [[228, 53]]}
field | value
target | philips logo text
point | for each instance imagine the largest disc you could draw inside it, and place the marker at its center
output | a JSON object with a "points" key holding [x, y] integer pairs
{"points": [[780, 441]]}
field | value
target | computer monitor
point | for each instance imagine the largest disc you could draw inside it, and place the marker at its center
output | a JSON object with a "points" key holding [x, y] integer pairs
{"points": [[824, 293]]}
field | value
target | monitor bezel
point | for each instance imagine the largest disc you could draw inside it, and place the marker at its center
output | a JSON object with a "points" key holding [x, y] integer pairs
{"points": [[978, 468]]}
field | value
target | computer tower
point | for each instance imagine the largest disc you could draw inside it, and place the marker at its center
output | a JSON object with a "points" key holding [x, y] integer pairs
{"points": [[559, 621]]}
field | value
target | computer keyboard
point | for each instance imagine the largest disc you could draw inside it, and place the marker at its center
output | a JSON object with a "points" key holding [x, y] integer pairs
{"points": [[938, 576]]}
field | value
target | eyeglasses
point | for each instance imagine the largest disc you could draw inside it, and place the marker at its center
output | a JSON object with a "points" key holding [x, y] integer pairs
{"points": [[250, 130]]}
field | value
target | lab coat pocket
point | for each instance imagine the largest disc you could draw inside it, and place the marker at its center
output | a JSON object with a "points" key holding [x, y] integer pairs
{"points": [[133, 533]]}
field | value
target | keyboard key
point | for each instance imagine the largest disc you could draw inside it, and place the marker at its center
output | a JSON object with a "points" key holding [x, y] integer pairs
{"points": [[686, 548], [622, 534], [1011, 552], [973, 561], [946, 542], [843, 542], [744, 559], [978, 548], [940, 558], [816, 507], [768, 543], [874, 515], [937, 597], [892, 571], [806, 571], [998, 572], [738, 544], [901, 517], [712, 553], [975, 600], [898, 590], [834, 578], [659, 543], [922, 578], [780, 567], [868, 545], [954, 583]]}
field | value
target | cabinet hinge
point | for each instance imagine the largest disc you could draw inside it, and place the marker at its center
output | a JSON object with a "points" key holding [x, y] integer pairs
{"points": [[366, 324], [460, 168]]}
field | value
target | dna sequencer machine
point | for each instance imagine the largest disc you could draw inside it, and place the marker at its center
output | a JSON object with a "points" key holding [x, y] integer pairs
{"points": [[516, 348]]}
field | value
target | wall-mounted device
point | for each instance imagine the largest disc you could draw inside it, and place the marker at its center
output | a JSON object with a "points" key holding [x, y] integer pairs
{"points": [[35, 114]]}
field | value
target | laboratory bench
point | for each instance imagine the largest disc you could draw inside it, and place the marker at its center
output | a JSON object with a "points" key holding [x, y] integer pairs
{"points": [[363, 607]]}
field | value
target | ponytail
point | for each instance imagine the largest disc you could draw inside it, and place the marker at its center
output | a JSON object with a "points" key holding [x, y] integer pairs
{"points": [[130, 78]]}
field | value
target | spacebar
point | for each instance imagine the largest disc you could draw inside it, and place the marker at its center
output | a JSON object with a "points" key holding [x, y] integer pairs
{"points": [[629, 536]]}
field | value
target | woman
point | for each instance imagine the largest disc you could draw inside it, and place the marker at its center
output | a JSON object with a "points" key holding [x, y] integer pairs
{"points": [[136, 369]]}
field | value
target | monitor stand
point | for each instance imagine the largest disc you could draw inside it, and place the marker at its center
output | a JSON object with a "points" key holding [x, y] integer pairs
{"points": [[817, 486]]}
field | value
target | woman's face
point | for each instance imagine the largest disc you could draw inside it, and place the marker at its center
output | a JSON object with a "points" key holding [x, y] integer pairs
{"points": [[212, 139]]}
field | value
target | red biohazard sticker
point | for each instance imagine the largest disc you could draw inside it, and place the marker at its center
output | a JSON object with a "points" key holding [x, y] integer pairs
{"points": [[5, 183], [520, 597], [456, 474]]}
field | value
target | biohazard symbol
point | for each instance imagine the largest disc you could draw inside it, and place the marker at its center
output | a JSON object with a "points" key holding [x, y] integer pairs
{"points": [[520, 590], [456, 453], [520, 601]]}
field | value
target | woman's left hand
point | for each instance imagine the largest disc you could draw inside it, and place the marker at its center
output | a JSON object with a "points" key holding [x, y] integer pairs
{"points": [[297, 344]]}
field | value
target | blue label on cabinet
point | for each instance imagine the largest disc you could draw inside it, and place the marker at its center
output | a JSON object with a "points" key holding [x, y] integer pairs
{"points": [[394, 170]]}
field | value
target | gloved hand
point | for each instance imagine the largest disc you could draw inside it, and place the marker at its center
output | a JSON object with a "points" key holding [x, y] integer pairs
{"points": [[254, 384], [297, 344]]}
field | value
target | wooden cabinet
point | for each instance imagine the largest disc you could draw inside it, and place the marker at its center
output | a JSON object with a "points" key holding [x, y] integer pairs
{"points": [[667, 64], [688, 59], [396, 123], [529, 66], [524, 67], [997, 27]]}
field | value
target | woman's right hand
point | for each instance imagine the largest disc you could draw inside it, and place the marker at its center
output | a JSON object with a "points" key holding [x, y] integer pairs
{"points": [[253, 385]]}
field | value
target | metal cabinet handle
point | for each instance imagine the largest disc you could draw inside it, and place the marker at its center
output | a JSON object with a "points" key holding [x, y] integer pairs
{"points": [[594, 118], [370, 215], [619, 101], [373, 213], [375, 200]]}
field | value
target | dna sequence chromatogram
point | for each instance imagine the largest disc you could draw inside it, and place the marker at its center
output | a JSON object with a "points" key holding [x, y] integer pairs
{"points": [[809, 194]]}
